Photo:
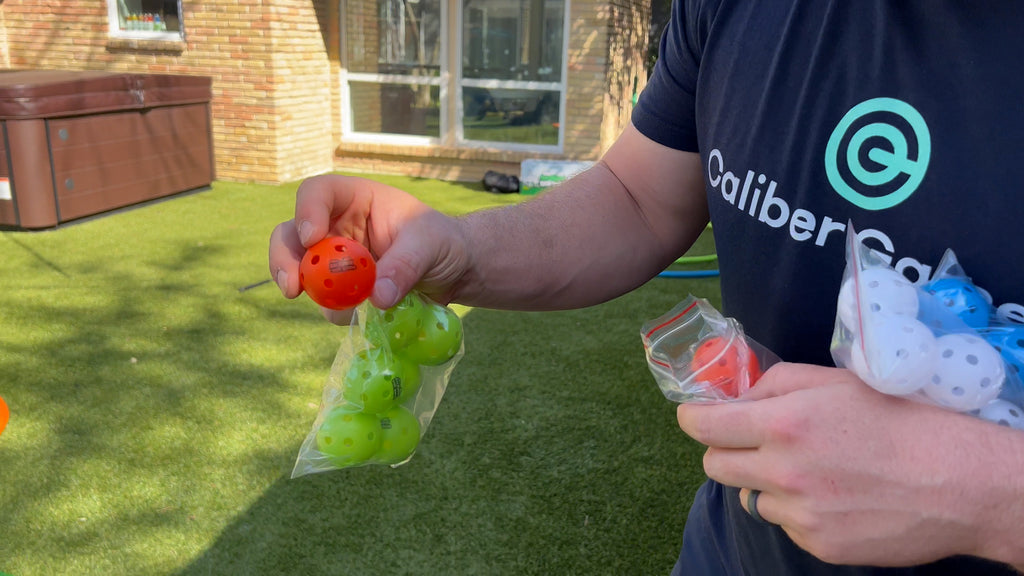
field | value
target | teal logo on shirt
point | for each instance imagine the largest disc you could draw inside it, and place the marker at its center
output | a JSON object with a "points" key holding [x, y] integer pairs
{"points": [[878, 154]]}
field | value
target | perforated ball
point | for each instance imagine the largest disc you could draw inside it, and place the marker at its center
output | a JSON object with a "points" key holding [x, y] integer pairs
{"points": [[1003, 413], [882, 291], [398, 325], [727, 366], [337, 273], [376, 380], [961, 297], [1009, 341], [895, 355], [968, 373], [348, 437], [438, 340], [5, 415], [400, 434]]}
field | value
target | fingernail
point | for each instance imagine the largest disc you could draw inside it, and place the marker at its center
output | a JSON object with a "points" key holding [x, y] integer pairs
{"points": [[386, 291], [305, 231], [282, 281]]}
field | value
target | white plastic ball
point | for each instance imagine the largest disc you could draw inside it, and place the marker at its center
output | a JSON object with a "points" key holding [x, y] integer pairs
{"points": [[1003, 413], [882, 291], [968, 373], [895, 355]]}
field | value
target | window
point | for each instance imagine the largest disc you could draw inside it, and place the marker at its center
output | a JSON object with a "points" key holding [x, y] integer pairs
{"points": [[511, 82], [146, 19], [394, 61], [499, 82]]}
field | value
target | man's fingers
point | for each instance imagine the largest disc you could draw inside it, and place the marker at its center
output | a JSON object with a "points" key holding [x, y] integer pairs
{"points": [[784, 378], [764, 502], [331, 200], [400, 268], [284, 257], [740, 467], [729, 425]]}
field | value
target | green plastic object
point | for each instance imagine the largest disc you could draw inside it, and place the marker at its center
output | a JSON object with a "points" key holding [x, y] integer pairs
{"points": [[377, 380], [396, 326], [438, 340], [400, 434], [348, 437]]}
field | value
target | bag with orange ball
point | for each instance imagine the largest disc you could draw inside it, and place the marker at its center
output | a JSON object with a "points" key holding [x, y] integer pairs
{"points": [[391, 370], [699, 356]]}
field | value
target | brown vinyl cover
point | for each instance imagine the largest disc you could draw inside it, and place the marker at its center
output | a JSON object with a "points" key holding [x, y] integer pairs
{"points": [[78, 143], [26, 94]]}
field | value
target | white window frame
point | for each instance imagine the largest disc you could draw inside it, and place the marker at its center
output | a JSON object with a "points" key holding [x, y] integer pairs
{"points": [[114, 19], [560, 87], [450, 85], [346, 77]]}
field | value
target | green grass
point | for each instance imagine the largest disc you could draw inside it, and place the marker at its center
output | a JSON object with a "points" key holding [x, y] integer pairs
{"points": [[156, 412]]}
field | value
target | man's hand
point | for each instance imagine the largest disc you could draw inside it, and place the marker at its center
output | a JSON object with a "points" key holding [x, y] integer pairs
{"points": [[414, 245], [858, 477]]}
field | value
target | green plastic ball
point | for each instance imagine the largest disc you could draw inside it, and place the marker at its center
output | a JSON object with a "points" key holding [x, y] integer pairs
{"points": [[400, 434], [347, 437], [438, 340], [395, 327], [376, 380]]}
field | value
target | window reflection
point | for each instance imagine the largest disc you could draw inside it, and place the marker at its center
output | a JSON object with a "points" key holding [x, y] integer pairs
{"points": [[393, 37], [508, 115], [509, 89], [513, 39], [395, 109]]}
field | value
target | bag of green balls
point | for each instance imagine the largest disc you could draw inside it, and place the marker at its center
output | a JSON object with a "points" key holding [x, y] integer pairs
{"points": [[385, 384]]}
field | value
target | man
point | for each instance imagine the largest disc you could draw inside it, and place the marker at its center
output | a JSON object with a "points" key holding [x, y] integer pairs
{"points": [[780, 121]]}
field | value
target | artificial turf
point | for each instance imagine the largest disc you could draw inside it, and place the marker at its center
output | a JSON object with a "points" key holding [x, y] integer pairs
{"points": [[159, 391]]}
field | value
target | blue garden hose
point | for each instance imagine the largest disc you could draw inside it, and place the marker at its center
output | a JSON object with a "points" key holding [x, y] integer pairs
{"points": [[688, 274], [692, 273]]}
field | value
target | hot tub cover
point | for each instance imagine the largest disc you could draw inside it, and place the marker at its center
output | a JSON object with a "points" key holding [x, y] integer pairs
{"points": [[28, 94]]}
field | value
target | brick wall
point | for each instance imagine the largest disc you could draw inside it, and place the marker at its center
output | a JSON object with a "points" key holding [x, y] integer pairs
{"points": [[588, 75], [607, 46], [628, 26], [5, 57], [267, 59], [275, 64], [301, 88]]}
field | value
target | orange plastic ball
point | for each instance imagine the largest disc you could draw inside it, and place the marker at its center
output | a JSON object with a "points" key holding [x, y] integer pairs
{"points": [[719, 363], [5, 414], [338, 273]]}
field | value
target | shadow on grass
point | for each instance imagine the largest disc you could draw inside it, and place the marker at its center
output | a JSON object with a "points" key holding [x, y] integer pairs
{"points": [[552, 453], [156, 412], [119, 383]]}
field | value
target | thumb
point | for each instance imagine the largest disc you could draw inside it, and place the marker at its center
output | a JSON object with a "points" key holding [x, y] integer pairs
{"points": [[399, 269]]}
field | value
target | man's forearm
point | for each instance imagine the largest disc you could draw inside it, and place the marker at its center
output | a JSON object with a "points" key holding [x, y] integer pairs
{"points": [[592, 238], [579, 244]]}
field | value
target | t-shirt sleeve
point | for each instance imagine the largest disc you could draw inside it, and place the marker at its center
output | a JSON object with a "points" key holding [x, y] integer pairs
{"points": [[666, 109]]}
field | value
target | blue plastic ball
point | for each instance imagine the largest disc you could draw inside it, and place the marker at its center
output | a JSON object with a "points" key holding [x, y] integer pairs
{"points": [[963, 299], [1009, 341]]}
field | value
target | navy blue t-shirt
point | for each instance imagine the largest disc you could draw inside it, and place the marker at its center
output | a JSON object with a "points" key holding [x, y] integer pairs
{"points": [[905, 118]]}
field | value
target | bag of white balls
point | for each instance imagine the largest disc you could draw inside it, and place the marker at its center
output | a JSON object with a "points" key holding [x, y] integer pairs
{"points": [[938, 341]]}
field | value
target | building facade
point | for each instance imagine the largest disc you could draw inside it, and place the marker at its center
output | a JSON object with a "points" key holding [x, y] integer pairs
{"points": [[434, 88]]}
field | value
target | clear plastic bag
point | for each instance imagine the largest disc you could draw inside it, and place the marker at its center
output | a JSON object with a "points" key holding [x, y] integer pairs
{"points": [[939, 342], [385, 384], [696, 355]]}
